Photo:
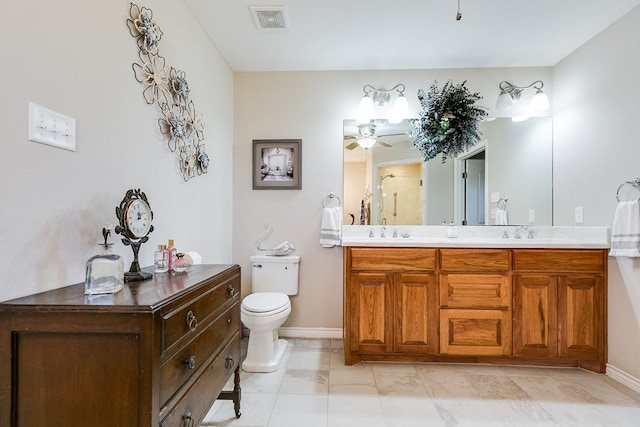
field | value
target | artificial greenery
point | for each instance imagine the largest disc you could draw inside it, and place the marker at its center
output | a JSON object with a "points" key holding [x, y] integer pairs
{"points": [[448, 122]]}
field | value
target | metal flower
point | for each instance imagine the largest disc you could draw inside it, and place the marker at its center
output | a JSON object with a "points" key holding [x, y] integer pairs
{"points": [[194, 122], [144, 29], [174, 124], [188, 162], [178, 86], [203, 159], [151, 72]]}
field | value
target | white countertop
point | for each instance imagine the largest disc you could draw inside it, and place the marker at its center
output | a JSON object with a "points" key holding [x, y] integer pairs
{"points": [[478, 237]]}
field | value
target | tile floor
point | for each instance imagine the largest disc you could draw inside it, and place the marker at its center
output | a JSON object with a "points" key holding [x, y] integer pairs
{"points": [[313, 388]]}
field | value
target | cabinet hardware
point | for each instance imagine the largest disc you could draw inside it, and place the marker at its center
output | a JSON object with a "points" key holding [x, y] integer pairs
{"points": [[190, 362], [192, 322]]}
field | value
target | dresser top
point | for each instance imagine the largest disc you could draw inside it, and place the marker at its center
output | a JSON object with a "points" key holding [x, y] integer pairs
{"points": [[135, 296]]}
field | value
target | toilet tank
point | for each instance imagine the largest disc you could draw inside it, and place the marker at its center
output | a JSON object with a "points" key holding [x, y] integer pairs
{"points": [[275, 274]]}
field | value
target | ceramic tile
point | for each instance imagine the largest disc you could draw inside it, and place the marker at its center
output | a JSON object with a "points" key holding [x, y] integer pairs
{"points": [[314, 388]]}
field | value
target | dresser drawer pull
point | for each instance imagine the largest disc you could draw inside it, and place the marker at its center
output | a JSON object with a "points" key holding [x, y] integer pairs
{"points": [[229, 363], [187, 419], [229, 321], [231, 291], [190, 362], [192, 322]]}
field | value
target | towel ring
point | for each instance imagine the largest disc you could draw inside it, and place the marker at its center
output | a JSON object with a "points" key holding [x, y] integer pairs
{"points": [[635, 184], [331, 196]]}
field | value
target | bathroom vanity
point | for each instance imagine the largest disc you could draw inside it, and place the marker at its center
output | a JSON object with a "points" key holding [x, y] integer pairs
{"points": [[159, 352], [477, 298]]}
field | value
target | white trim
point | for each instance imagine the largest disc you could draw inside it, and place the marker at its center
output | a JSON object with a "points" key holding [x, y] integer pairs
{"points": [[307, 332], [623, 378]]}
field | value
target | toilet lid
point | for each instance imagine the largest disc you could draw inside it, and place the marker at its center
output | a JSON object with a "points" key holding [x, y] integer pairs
{"points": [[261, 302]]}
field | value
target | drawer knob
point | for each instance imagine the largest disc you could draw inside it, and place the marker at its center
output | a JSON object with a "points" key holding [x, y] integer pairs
{"points": [[229, 321], [192, 322], [231, 291], [187, 419], [190, 362], [229, 362]]}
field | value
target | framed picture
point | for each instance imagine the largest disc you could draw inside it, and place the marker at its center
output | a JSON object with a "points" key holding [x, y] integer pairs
{"points": [[277, 164]]}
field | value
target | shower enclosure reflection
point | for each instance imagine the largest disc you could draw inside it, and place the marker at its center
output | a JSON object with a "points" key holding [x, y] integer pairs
{"points": [[391, 184]]}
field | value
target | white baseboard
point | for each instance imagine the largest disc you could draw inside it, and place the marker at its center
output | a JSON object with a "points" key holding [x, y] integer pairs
{"points": [[623, 378], [311, 332], [305, 332]]}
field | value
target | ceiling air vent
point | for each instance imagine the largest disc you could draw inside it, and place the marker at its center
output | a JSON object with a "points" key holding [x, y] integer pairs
{"points": [[270, 18]]}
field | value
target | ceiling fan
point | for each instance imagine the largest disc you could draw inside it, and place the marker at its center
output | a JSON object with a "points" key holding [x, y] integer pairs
{"points": [[367, 137]]}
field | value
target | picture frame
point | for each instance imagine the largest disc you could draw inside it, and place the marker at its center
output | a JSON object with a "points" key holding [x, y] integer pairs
{"points": [[277, 164]]}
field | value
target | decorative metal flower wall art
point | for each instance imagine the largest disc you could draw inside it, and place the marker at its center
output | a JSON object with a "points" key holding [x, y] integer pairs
{"points": [[170, 91]]}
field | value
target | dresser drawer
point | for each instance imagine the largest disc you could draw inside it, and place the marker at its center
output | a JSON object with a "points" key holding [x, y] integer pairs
{"points": [[560, 260], [397, 259], [197, 312], [475, 260], [195, 404], [189, 359]]}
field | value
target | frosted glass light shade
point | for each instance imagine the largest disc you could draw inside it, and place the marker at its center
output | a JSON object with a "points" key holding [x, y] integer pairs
{"points": [[400, 109], [366, 142], [365, 110], [504, 101], [540, 101]]}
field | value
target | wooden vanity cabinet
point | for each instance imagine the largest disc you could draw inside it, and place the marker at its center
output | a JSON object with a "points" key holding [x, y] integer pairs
{"points": [[390, 302], [511, 306], [475, 302], [157, 353], [560, 305]]}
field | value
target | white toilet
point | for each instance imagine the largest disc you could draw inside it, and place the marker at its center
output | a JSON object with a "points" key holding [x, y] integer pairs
{"points": [[267, 308]]}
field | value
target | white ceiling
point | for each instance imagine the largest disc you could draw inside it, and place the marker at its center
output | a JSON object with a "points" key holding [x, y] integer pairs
{"points": [[405, 34]]}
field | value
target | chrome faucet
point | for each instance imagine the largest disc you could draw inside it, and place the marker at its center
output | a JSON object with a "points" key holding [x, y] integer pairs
{"points": [[518, 230], [531, 234], [382, 230]]}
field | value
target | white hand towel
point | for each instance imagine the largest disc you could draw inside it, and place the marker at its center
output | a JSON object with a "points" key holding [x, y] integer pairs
{"points": [[625, 235], [501, 217], [331, 229]]}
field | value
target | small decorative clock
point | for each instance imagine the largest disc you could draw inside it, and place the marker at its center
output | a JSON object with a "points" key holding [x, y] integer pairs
{"points": [[135, 216]]}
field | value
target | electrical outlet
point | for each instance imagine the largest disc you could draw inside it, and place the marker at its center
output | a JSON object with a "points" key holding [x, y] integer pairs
{"points": [[495, 196], [532, 216], [579, 215], [49, 127]]}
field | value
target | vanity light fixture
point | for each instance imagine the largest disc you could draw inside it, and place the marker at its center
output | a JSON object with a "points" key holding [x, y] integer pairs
{"points": [[381, 98], [510, 94]]}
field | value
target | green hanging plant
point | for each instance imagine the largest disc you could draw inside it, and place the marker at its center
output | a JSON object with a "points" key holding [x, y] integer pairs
{"points": [[448, 122]]}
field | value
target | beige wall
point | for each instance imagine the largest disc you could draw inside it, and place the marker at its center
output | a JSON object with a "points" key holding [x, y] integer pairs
{"points": [[312, 106], [596, 148], [75, 57]]}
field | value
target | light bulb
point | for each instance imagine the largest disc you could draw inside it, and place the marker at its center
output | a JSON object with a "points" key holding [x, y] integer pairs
{"points": [[366, 142], [504, 101]]}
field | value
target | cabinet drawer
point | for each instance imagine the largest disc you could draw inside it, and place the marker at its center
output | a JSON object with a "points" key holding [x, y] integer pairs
{"points": [[196, 313], [177, 370], [475, 290], [475, 332], [561, 260], [474, 260], [194, 405], [397, 259]]}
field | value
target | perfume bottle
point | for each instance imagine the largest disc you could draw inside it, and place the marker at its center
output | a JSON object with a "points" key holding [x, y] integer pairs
{"points": [[105, 272], [171, 255], [160, 260], [180, 264]]}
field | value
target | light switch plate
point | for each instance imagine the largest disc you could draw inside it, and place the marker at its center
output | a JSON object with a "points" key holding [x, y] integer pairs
{"points": [[49, 127], [579, 215], [495, 197]]}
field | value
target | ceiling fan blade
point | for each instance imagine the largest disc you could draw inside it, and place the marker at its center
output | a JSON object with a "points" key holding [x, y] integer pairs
{"points": [[384, 144], [351, 146], [392, 134], [346, 137]]}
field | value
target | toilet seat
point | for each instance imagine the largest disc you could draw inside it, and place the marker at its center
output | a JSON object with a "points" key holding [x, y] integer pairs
{"points": [[265, 304]]}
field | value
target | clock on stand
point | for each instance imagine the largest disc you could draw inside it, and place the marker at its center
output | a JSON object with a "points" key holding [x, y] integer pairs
{"points": [[135, 216]]}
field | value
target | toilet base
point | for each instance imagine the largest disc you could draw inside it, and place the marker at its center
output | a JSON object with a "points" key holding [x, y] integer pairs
{"points": [[263, 352]]}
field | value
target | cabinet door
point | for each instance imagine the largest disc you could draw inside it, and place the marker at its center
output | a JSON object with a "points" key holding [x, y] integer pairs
{"points": [[371, 314], [535, 331], [581, 315], [416, 308]]}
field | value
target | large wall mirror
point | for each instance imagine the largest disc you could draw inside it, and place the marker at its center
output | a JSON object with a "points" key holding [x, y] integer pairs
{"points": [[504, 179]]}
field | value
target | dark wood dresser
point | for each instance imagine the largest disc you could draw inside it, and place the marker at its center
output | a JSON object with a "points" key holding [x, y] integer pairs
{"points": [[157, 353]]}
